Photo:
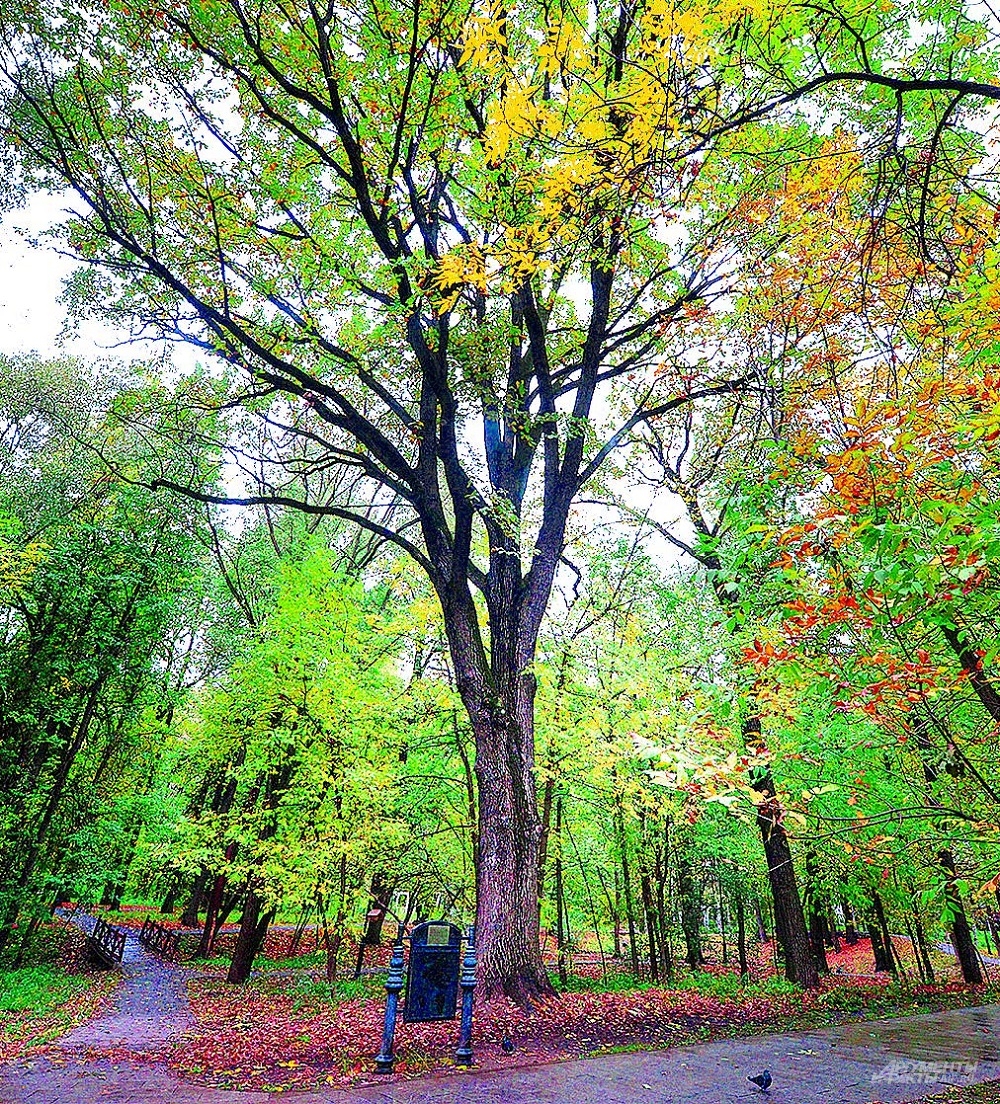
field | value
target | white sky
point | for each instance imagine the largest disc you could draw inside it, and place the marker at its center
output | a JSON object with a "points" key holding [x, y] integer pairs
{"points": [[31, 281]]}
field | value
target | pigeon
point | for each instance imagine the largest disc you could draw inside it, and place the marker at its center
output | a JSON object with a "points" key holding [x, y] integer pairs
{"points": [[762, 1080], [507, 1045]]}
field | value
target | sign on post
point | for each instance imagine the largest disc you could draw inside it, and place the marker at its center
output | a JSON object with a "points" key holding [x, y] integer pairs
{"points": [[432, 976]]}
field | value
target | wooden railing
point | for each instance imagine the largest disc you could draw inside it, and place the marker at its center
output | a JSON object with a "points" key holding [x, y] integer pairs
{"points": [[106, 944], [160, 939]]}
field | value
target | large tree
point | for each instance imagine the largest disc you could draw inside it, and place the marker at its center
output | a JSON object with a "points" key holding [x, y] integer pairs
{"points": [[446, 248]]}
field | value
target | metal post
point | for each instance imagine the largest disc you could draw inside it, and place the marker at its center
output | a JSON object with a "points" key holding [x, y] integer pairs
{"points": [[393, 987], [463, 1054]]}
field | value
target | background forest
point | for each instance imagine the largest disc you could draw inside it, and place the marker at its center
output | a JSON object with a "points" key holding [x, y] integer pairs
{"points": [[583, 519]]}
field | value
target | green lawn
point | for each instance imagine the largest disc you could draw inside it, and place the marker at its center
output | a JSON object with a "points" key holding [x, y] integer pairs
{"points": [[37, 989]]}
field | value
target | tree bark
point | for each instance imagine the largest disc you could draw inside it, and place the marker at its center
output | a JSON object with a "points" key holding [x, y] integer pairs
{"points": [[789, 921], [984, 689], [880, 953], [741, 935], [815, 908], [253, 928], [883, 926], [627, 894], [689, 893], [561, 932], [507, 921], [961, 932]]}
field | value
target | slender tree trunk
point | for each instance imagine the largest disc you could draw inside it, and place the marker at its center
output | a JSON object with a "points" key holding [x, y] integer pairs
{"points": [[884, 930], [762, 935], [815, 910], [961, 932], [560, 901], [689, 893], [966, 651], [912, 935], [925, 958], [590, 899], [789, 921], [850, 930], [627, 893], [741, 935], [661, 873], [649, 909]]}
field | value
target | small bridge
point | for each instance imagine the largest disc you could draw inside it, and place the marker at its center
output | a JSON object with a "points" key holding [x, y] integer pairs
{"points": [[106, 944], [155, 937]]}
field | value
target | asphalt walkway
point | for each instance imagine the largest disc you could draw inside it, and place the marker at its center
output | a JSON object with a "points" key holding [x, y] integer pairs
{"points": [[881, 1060]]}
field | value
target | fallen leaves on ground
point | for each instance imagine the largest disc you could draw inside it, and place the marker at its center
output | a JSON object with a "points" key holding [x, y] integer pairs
{"points": [[29, 1029], [266, 1036]]}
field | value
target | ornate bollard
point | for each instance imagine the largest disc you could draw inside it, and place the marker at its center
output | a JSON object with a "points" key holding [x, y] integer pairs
{"points": [[463, 1054], [393, 987]]}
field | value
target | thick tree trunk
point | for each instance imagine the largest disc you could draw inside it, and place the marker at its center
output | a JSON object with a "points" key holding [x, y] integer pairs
{"points": [[880, 953], [507, 923], [189, 917]]}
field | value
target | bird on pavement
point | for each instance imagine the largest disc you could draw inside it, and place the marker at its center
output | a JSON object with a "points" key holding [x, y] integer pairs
{"points": [[762, 1080], [507, 1045]]}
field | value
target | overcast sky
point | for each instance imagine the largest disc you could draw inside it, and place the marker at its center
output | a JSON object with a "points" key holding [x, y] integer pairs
{"points": [[31, 281]]}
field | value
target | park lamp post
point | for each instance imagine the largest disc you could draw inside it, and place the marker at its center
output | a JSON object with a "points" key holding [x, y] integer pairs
{"points": [[463, 1054], [393, 987]]}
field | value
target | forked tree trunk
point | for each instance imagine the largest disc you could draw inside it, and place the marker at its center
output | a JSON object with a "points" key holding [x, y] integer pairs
{"points": [[253, 928]]}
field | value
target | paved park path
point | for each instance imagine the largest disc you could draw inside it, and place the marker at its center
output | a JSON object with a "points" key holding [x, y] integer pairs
{"points": [[149, 1006], [882, 1060]]}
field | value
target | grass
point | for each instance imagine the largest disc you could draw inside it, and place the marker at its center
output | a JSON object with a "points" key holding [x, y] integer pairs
{"points": [[37, 989], [51, 993]]}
